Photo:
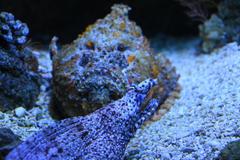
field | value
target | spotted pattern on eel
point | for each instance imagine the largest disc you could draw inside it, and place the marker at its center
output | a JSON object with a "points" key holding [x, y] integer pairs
{"points": [[104, 134]]}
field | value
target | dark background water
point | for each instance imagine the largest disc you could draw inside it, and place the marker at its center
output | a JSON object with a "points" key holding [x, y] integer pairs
{"points": [[68, 18]]}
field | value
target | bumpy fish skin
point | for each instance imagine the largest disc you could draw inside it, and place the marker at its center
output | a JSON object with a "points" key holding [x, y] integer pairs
{"points": [[104, 134], [99, 66]]}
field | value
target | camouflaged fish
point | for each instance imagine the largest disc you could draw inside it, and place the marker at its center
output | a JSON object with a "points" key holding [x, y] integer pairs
{"points": [[98, 67], [102, 135]]}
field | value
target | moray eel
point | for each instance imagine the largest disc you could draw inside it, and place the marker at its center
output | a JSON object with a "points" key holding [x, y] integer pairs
{"points": [[101, 135]]}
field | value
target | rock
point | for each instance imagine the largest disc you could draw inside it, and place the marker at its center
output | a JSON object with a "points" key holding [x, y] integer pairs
{"points": [[20, 111], [230, 152], [214, 143], [19, 81], [99, 66], [228, 10], [36, 111], [1, 115], [222, 27], [12, 32], [165, 156], [44, 122], [212, 33], [8, 140], [188, 150]]}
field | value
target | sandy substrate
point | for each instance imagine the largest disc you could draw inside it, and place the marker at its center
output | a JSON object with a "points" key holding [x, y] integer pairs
{"points": [[205, 118]]}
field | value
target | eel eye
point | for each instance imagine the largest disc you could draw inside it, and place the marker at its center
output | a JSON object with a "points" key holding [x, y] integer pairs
{"points": [[133, 87]]}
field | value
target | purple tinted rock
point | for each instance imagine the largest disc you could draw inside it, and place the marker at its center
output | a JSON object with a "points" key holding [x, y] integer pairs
{"points": [[12, 31]]}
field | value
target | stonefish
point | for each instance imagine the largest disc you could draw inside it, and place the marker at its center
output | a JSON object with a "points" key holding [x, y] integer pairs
{"points": [[99, 66], [102, 135]]}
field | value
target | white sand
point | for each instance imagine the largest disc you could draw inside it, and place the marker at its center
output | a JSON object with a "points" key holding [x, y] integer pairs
{"points": [[205, 118]]}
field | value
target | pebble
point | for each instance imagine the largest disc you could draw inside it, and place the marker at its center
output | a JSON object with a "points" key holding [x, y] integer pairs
{"points": [[20, 111], [165, 156], [188, 150], [2, 115], [36, 111], [44, 122], [214, 143]]}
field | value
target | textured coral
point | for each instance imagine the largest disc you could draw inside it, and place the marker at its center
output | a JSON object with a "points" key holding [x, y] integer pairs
{"points": [[102, 135], [99, 66], [12, 32], [19, 84]]}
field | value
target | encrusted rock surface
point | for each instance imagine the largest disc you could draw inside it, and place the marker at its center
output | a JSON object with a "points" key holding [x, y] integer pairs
{"points": [[37, 117], [99, 66], [13, 33], [19, 82]]}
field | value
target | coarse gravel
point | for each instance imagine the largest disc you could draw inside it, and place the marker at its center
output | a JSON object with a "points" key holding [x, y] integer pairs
{"points": [[207, 115]]}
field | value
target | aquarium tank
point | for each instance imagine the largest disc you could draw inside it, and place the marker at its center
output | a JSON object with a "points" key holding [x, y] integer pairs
{"points": [[120, 80]]}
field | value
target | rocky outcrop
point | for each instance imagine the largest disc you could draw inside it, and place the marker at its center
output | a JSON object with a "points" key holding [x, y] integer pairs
{"points": [[19, 82]]}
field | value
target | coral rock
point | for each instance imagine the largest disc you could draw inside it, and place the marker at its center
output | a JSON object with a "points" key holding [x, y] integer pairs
{"points": [[19, 84], [12, 32], [103, 134], [99, 66]]}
